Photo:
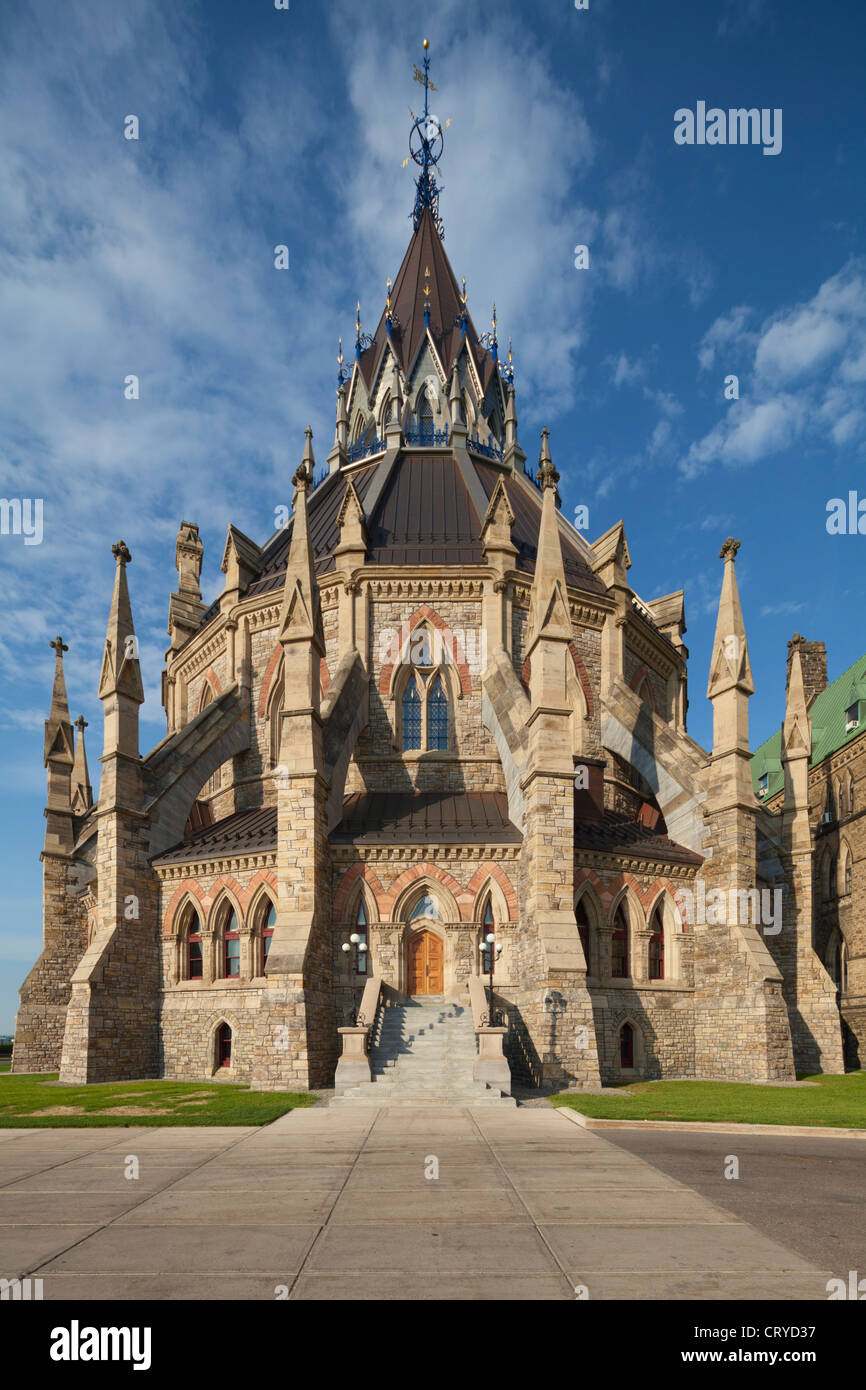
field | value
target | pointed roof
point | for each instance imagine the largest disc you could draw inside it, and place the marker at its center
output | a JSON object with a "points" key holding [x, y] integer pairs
{"points": [[796, 733], [300, 613], [121, 673], [58, 729], [730, 667], [551, 616], [82, 792], [426, 251]]}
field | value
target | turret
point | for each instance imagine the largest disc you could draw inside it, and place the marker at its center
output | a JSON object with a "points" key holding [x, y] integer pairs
{"points": [[796, 752], [121, 693], [730, 687], [82, 792], [300, 631], [59, 757], [550, 628]]}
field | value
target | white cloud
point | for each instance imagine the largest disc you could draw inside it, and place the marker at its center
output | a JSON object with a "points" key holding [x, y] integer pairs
{"points": [[809, 365], [625, 372]]}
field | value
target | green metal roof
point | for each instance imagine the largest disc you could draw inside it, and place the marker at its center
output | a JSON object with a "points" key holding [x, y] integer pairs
{"points": [[827, 714]]}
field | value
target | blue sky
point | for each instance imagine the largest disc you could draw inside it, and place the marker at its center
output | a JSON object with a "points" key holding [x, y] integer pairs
{"points": [[260, 127]]}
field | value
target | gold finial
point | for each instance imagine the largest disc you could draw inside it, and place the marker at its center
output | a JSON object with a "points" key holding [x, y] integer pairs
{"points": [[388, 295], [427, 282], [426, 43], [493, 320]]}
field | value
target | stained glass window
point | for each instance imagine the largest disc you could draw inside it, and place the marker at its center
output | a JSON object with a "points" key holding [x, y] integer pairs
{"points": [[437, 716], [411, 717]]}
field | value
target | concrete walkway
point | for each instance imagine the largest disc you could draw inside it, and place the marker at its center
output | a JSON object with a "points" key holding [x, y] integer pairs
{"points": [[336, 1203]]}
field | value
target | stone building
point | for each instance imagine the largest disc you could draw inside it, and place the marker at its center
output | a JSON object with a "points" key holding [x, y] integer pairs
{"points": [[425, 711], [833, 720]]}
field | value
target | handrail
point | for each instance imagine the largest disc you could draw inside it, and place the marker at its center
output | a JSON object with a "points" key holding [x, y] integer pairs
{"points": [[478, 1000], [491, 1065], [353, 1064]]}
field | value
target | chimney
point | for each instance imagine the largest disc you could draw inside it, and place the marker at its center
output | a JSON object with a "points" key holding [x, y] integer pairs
{"points": [[813, 659]]}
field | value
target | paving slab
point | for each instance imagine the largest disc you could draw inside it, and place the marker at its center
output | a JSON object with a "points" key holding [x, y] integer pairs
{"points": [[67, 1178], [187, 1250], [64, 1208], [482, 1286], [708, 1247], [423, 1249], [330, 1204], [207, 1207], [25, 1248]]}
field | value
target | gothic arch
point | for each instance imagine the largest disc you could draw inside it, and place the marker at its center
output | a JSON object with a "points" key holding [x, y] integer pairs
{"points": [[343, 896], [217, 1021], [397, 659], [457, 900], [506, 887], [188, 891], [846, 869], [225, 890]]}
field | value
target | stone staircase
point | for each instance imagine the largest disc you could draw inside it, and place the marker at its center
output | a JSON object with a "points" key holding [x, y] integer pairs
{"points": [[424, 1054]]}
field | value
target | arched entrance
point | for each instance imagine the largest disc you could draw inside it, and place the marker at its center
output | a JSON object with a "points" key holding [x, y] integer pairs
{"points": [[425, 963]]}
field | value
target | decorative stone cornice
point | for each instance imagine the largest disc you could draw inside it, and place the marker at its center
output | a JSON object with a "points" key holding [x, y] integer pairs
{"points": [[200, 868], [421, 853]]}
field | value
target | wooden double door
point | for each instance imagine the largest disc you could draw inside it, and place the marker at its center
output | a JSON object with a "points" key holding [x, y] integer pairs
{"points": [[426, 964]]}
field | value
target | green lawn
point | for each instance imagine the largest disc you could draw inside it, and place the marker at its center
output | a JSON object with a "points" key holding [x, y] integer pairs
{"points": [[26, 1101], [836, 1100]]}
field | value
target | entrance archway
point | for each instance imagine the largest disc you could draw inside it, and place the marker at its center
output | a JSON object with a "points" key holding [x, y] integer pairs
{"points": [[425, 963]]}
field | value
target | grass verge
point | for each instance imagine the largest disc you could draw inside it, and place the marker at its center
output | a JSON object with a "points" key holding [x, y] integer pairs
{"points": [[29, 1101], [835, 1101]]}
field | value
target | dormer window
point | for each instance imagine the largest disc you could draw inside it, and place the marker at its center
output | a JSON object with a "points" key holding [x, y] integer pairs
{"points": [[852, 717], [764, 783]]}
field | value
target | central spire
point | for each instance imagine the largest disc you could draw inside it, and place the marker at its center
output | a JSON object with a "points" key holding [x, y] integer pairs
{"points": [[426, 144]]}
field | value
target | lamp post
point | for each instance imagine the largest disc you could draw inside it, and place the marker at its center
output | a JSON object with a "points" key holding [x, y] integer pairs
{"points": [[492, 945], [354, 940]]}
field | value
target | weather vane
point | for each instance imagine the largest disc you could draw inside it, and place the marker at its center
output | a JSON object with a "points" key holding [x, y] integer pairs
{"points": [[426, 143]]}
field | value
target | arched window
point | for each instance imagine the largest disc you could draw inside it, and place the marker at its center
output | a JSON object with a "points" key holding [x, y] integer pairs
{"points": [[657, 946], [268, 921], [851, 807], [619, 962], [362, 957], [426, 722], [833, 887], [411, 709], [847, 871], [231, 946], [224, 1046], [626, 1047], [645, 693], [437, 716], [488, 925], [425, 420], [194, 958], [275, 712], [426, 906], [842, 968], [584, 931]]}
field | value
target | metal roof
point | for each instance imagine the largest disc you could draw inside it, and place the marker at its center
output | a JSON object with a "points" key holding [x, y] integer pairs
{"points": [[442, 818]]}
